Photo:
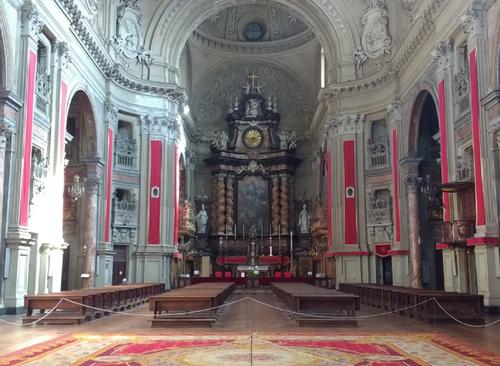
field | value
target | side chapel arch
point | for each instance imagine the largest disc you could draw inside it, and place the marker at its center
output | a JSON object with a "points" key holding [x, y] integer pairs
{"points": [[82, 183]]}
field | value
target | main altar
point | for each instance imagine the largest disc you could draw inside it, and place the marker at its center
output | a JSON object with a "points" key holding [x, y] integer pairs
{"points": [[253, 163]]}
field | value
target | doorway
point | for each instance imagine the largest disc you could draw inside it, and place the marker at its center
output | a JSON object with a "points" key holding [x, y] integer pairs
{"points": [[119, 264], [384, 270]]}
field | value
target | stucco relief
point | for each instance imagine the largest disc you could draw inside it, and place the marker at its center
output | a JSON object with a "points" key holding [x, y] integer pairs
{"points": [[375, 39], [213, 99], [347, 124], [93, 6], [128, 39]]}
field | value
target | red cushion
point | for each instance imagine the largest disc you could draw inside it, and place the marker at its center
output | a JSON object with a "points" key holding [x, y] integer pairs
{"points": [[277, 274], [228, 274], [218, 274], [288, 274]]}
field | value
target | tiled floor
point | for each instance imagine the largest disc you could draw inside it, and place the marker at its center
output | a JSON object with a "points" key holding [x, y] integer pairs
{"points": [[248, 316]]}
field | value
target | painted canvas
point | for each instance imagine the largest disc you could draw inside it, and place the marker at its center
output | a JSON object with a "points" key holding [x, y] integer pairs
{"points": [[253, 204]]}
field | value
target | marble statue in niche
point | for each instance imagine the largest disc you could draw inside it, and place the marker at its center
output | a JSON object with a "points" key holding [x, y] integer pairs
{"points": [[304, 220], [201, 220]]}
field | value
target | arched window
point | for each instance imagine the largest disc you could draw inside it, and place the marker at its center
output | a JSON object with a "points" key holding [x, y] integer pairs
{"points": [[126, 146], [378, 145]]}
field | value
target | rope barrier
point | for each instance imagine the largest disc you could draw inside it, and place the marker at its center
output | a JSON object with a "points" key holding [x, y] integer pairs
{"points": [[36, 321], [247, 298], [326, 317], [149, 314]]}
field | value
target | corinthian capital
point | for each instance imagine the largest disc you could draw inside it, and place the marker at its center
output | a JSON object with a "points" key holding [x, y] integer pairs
{"points": [[32, 21], [472, 21], [443, 54], [111, 114], [346, 124], [394, 113], [63, 53], [92, 184]]}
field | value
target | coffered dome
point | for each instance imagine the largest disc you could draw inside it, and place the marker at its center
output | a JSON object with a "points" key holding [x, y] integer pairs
{"points": [[253, 23]]}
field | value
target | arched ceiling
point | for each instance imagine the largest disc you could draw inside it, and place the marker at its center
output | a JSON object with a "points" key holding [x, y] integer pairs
{"points": [[275, 22], [174, 22]]}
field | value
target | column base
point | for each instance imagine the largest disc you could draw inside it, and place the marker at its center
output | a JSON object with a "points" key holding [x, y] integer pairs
{"points": [[18, 257], [351, 266], [152, 264], [488, 274], [400, 268], [104, 275]]}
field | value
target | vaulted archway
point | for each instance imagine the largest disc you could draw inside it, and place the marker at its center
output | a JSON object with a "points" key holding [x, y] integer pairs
{"points": [[82, 181]]}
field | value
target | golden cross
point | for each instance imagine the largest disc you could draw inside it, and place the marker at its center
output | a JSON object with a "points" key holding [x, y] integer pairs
{"points": [[252, 77]]}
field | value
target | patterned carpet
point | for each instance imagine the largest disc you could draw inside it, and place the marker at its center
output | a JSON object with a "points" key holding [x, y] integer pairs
{"points": [[249, 349]]}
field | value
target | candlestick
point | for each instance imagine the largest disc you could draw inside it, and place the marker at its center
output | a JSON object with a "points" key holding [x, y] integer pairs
{"points": [[243, 231], [235, 231]]}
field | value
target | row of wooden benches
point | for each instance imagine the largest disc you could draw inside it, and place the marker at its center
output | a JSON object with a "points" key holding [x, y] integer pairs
{"points": [[316, 306], [191, 305], [87, 304], [419, 303]]}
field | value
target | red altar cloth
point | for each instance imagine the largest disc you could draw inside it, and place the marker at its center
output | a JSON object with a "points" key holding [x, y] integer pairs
{"points": [[273, 259]]}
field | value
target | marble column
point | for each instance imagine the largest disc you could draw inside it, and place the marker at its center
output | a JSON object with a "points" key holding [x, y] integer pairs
{"points": [[5, 132], [414, 232], [90, 234], [230, 205], [214, 208], [284, 207], [221, 204], [275, 205]]}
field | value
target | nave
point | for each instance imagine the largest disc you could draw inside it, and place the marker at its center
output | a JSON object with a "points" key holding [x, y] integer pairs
{"points": [[250, 328]]}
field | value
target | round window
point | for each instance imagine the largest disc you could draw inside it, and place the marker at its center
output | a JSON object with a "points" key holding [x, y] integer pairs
{"points": [[254, 31]]}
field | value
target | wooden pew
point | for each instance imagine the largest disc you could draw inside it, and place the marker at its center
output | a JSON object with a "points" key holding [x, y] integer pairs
{"points": [[308, 299], [171, 307], [111, 298], [417, 303]]}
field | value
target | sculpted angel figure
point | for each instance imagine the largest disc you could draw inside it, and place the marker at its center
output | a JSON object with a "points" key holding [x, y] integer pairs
{"points": [[252, 108]]}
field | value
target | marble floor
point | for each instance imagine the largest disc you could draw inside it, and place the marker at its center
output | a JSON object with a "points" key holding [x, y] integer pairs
{"points": [[247, 316]]}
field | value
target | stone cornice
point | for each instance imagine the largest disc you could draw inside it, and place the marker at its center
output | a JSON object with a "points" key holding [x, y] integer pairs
{"points": [[204, 40], [105, 63]]}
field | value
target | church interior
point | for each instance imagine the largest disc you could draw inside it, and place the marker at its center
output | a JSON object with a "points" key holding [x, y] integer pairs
{"points": [[230, 182]]}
